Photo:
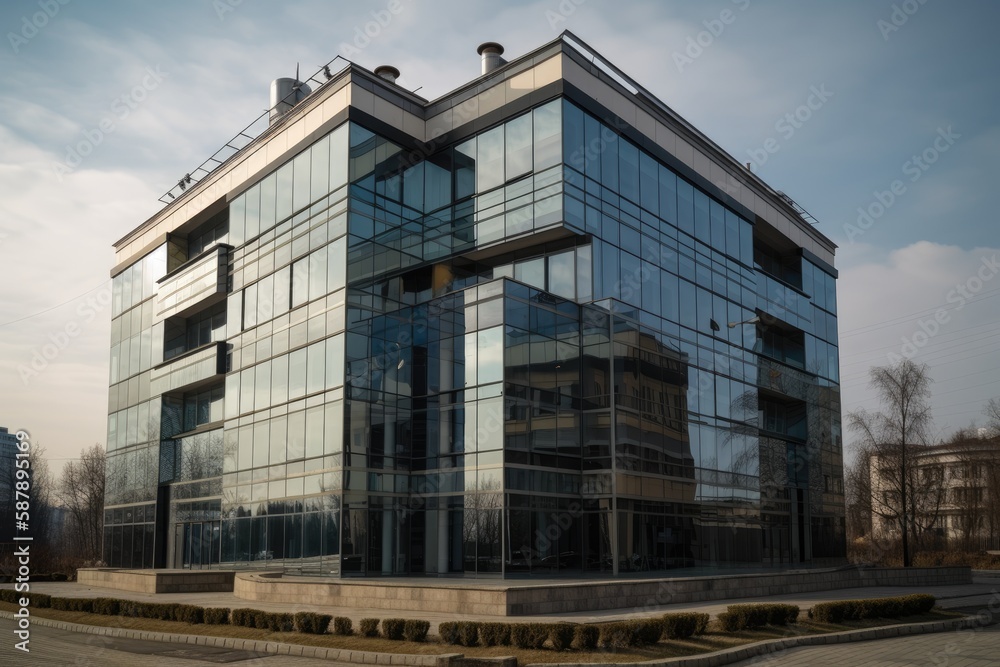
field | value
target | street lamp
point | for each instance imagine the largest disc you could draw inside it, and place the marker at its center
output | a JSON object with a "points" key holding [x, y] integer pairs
{"points": [[752, 320]]}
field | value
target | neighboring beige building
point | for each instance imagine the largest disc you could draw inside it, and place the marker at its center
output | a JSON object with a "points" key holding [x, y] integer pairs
{"points": [[954, 491]]}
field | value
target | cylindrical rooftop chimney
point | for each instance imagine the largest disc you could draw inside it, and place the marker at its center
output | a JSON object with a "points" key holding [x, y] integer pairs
{"points": [[491, 52], [387, 72], [286, 93]]}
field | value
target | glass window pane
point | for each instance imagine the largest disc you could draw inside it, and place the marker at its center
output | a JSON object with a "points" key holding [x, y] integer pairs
{"points": [[338, 157], [573, 136], [519, 152], [320, 168], [297, 374], [316, 367], [283, 193], [465, 169], [437, 181], [490, 355], [490, 160], [547, 135], [268, 197], [302, 181], [629, 171], [562, 274]]}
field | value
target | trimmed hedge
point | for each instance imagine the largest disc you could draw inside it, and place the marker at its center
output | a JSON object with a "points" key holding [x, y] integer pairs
{"points": [[684, 625], [448, 632], [585, 637], [494, 634], [620, 634], [468, 633], [529, 635], [561, 636], [343, 626], [749, 616], [415, 631], [392, 628], [312, 623], [245, 618], [216, 616], [85, 605], [855, 610], [368, 627]]}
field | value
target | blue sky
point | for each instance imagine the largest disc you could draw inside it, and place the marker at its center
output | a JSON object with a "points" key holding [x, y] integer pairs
{"points": [[152, 89]]}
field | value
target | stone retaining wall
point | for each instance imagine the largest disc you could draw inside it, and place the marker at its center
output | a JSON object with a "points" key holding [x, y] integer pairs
{"points": [[158, 581]]}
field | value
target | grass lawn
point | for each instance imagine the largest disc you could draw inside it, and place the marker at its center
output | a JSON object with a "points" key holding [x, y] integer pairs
{"points": [[713, 640]]}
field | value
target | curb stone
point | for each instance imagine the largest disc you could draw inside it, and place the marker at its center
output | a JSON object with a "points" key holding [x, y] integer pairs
{"points": [[722, 657], [276, 648]]}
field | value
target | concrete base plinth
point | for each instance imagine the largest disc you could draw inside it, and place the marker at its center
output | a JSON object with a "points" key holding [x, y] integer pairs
{"points": [[517, 598]]}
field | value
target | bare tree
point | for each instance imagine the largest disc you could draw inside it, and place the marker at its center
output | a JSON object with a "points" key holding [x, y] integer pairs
{"points": [[858, 498], [992, 412], [81, 492], [890, 437]]}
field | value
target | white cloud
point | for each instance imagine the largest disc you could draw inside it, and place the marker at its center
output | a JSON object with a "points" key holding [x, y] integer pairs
{"points": [[888, 305]]}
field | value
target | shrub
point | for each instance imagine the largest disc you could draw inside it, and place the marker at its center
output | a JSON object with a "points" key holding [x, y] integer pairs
{"points": [[448, 632], [648, 630], [343, 626], [59, 576], [369, 627], [585, 637], [494, 634], [854, 610], [107, 606], [216, 616], [40, 600], [311, 622], [620, 634], [684, 625], [561, 636], [280, 622], [528, 635], [243, 617], [9, 595], [189, 613], [749, 616], [73, 604], [392, 628], [468, 633], [415, 631]]}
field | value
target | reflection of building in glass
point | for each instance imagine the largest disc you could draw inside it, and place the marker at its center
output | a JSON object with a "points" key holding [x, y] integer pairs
{"points": [[485, 334]]}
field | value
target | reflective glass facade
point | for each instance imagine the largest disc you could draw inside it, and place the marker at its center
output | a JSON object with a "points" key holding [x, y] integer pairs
{"points": [[534, 349]]}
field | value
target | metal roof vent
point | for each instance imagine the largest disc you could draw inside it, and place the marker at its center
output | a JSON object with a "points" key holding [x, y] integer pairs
{"points": [[491, 52], [286, 93], [387, 72]]}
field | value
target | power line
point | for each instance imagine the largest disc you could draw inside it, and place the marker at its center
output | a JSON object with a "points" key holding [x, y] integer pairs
{"points": [[874, 327], [42, 312]]}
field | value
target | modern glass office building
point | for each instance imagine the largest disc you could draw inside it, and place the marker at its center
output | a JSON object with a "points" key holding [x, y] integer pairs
{"points": [[539, 325]]}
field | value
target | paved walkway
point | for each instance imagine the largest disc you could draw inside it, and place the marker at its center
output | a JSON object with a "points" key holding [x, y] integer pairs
{"points": [[53, 646], [980, 648]]}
